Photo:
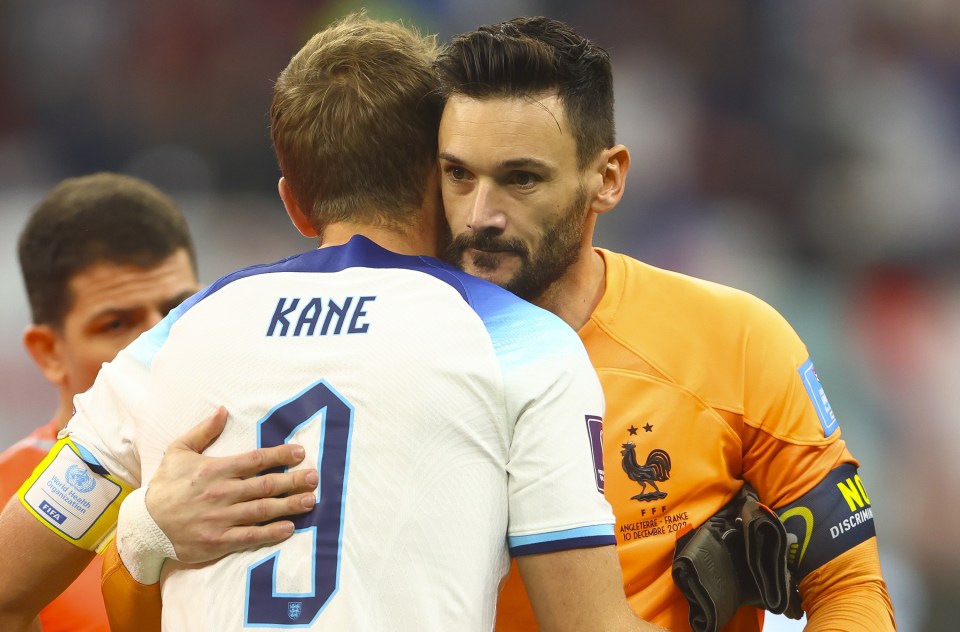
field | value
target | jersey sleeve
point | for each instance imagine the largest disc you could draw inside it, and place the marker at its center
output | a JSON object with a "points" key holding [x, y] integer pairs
{"points": [[791, 435], [105, 418], [555, 471], [131, 606], [795, 456], [77, 489], [849, 593]]}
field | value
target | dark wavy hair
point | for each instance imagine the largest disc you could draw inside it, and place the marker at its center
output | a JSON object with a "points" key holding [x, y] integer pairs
{"points": [[528, 56]]}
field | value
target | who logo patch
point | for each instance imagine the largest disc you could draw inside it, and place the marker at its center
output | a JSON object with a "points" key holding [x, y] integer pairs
{"points": [[71, 497], [808, 374], [81, 479]]}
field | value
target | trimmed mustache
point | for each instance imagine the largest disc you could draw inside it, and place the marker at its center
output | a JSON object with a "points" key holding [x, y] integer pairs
{"points": [[486, 242]]}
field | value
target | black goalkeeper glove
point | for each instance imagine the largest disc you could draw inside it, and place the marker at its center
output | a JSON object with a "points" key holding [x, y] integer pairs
{"points": [[738, 557]]}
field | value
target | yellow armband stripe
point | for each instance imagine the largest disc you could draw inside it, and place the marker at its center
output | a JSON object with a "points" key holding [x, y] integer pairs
{"points": [[74, 496]]}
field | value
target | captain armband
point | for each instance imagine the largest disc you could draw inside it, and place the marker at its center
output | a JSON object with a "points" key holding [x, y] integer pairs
{"points": [[830, 519], [74, 496]]}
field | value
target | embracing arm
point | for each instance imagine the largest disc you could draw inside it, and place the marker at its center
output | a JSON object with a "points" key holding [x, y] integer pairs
{"points": [[579, 590], [36, 565], [212, 506], [199, 508]]}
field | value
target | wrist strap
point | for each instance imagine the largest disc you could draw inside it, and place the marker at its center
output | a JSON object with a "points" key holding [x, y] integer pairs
{"points": [[142, 545]]}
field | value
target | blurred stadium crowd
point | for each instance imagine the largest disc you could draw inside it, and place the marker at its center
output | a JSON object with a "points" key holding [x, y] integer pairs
{"points": [[808, 152]]}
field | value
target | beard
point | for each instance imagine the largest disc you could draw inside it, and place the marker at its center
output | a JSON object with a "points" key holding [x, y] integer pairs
{"points": [[541, 267]]}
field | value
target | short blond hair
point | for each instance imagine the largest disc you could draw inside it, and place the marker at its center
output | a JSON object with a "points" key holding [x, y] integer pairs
{"points": [[354, 122]]}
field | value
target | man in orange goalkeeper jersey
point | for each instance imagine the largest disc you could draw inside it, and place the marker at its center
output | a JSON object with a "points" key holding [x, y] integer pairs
{"points": [[707, 387]]}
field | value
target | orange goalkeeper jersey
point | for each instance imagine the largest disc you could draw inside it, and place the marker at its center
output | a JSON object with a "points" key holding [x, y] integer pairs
{"points": [[705, 386]]}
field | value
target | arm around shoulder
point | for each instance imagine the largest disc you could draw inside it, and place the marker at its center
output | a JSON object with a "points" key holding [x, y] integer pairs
{"points": [[579, 590]]}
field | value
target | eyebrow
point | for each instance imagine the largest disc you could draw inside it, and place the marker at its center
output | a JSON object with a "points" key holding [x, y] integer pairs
{"points": [[165, 307], [449, 157], [513, 163], [113, 312]]}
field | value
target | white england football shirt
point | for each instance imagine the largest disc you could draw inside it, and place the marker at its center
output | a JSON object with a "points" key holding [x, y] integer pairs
{"points": [[450, 422]]}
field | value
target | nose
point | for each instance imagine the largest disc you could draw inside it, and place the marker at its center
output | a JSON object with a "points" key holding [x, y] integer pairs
{"points": [[486, 213]]}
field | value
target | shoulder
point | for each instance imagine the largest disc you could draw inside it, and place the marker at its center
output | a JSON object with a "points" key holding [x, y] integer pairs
{"points": [[648, 302], [667, 290], [19, 460], [516, 326]]}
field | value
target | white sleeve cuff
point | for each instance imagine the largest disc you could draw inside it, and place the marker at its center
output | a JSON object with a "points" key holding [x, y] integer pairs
{"points": [[142, 545]]}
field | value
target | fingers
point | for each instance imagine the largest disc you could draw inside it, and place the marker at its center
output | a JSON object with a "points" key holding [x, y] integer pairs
{"points": [[273, 485], [265, 512], [232, 539], [239, 538], [251, 463], [242, 525], [198, 438]]}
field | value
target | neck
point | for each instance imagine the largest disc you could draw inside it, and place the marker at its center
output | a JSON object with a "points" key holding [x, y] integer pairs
{"points": [[575, 295], [64, 411], [420, 236], [405, 240]]}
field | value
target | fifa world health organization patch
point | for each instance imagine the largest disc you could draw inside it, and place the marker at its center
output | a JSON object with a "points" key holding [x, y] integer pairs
{"points": [[819, 398], [74, 496]]}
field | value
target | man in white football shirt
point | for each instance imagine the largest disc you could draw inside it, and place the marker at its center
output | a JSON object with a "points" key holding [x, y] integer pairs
{"points": [[450, 421]]}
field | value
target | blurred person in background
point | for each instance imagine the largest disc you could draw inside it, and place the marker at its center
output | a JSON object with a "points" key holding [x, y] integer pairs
{"points": [[104, 257]]}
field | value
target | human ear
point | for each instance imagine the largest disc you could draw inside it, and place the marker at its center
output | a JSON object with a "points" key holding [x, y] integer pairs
{"points": [[42, 342], [613, 165], [297, 216]]}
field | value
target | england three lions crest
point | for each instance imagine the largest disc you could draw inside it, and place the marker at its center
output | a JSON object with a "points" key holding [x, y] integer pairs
{"points": [[294, 608]]}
